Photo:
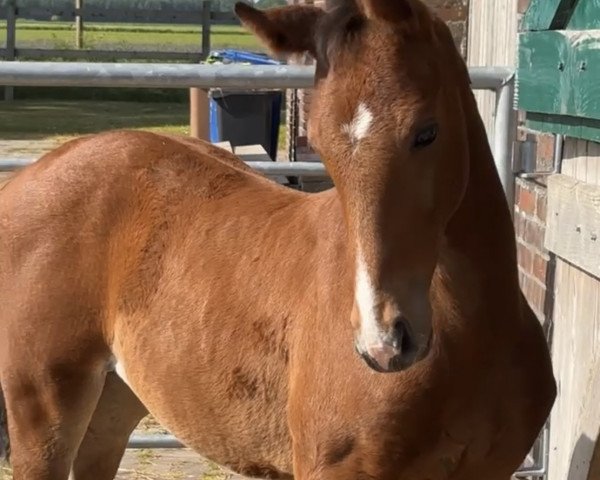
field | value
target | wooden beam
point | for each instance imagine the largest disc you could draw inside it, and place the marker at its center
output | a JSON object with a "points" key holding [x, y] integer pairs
{"points": [[574, 127], [573, 222], [540, 14], [585, 16], [563, 14], [199, 114]]}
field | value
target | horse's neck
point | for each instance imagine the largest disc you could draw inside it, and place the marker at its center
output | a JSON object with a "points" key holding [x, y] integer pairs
{"points": [[478, 263]]}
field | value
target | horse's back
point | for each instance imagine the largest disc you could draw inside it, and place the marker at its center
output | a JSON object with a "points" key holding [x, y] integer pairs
{"points": [[87, 221]]}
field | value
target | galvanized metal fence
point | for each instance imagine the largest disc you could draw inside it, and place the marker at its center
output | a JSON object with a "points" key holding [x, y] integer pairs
{"points": [[232, 77]]}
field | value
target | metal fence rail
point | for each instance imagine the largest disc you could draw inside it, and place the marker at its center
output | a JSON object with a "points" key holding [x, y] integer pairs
{"points": [[159, 75], [132, 75], [270, 169], [232, 77]]}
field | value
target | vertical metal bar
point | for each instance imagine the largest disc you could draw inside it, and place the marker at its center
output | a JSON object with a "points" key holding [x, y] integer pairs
{"points": [[504, 136], [206, 9], [11, 42], [79, 24]]}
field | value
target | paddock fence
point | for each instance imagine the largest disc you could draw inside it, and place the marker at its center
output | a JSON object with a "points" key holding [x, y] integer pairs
{"points": [[79, 14], [499, 80]]}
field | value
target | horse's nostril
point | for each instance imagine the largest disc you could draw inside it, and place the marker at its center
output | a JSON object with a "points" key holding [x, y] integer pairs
{"points": [[401, 337]]}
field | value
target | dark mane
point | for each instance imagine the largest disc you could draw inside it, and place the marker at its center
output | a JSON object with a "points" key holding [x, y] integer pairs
{"points": [[337, 29]]}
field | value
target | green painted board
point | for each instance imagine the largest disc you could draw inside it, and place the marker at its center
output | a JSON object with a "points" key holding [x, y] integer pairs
{"points": [[564, 125], [586, 15], [559, 73], [540, 14]]}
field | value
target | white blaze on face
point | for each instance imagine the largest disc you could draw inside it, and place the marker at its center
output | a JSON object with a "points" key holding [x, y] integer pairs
{"points": [[369, 333], [359, 127]]}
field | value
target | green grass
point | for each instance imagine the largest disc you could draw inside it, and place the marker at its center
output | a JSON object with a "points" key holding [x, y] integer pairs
{"points": [[61, 35], [47, 119], [60, 120], [50, 113]]}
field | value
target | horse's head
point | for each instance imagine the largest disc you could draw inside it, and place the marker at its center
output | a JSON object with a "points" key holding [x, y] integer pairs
{"points": [[386, 117]]}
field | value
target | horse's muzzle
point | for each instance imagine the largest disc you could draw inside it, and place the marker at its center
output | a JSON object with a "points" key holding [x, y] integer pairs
{"points": [[397, 351]]}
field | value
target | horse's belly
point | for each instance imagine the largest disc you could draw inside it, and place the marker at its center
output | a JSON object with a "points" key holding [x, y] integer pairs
{"points": [[225, 399]]}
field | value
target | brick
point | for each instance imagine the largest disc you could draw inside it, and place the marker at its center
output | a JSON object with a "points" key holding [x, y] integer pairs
{"points": [[520, 225], [535, 293], [540, 267], [525, 257], [534, 234], [526, 200], [541, 206]]}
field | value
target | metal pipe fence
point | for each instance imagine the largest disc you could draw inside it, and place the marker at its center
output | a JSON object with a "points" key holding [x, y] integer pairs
{"points": [[270, 169], [164, 75], [255, 77], [239, 77]]}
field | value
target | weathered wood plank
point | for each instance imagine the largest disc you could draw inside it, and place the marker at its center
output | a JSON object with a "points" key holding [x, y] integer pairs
{"points": [[492, 40], [575, 418], [585, 128], [252, 153], [224, 145], [540, 14], [585, 16], [594, 163], [573, 230], [581, 160], [558, 72]]}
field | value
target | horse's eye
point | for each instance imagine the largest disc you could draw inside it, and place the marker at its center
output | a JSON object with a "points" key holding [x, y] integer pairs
{"points": [[426, 136]]}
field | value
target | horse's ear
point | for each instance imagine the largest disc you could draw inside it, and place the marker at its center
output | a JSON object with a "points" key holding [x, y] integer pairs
{"points": [[388, 10], [284, 30]]}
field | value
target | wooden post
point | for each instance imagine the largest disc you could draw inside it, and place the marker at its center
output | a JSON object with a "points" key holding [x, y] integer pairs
{"points": [[78, 24], [206, 8], [199, 120], [11, 42], [199, 103]]}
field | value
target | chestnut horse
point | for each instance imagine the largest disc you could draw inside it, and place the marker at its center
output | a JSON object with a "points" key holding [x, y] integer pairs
{"points": [[372, 331]]}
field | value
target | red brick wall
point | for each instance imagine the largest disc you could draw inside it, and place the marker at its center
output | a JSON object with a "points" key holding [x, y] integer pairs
{"points": [[535, 265]]}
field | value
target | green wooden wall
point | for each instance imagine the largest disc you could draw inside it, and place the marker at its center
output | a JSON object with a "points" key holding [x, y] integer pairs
{"points": [[558, 74]]}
